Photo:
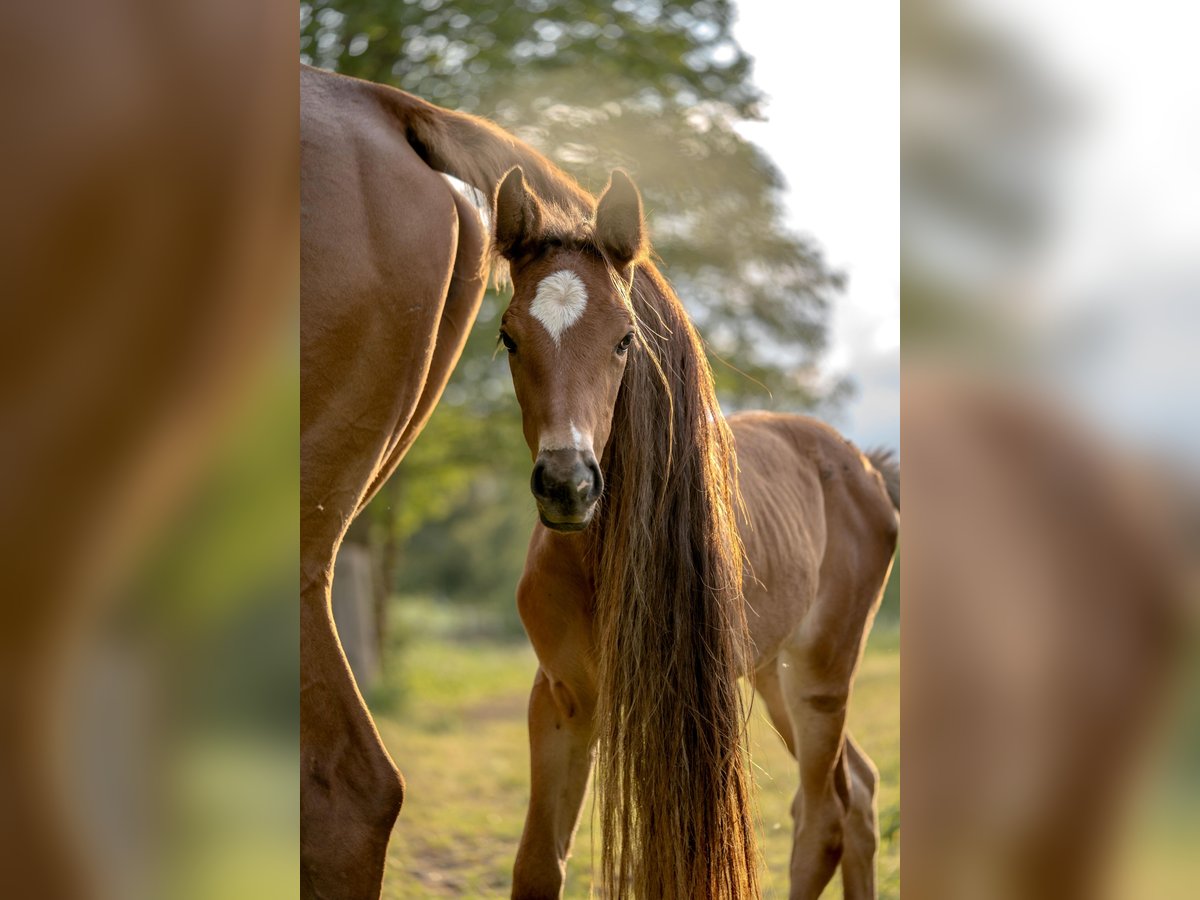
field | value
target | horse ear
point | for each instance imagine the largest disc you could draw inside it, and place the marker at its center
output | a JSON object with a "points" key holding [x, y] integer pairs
{"points": [[518, 215], [620, 231]]}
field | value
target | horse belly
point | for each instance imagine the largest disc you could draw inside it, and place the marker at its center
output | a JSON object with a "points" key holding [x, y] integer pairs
{"points": [[783, 530], [781, 582]]}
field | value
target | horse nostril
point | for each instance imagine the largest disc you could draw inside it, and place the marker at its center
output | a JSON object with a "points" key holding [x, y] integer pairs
{"points": [[537, 482], [597, 478], [567, 479], [582, 480]]}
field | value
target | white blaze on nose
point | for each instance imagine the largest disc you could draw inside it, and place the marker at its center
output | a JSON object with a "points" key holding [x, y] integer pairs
{"points": [[571, 439], [559, 302]]}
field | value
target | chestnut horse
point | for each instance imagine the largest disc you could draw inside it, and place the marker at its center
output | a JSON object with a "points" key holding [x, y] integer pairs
{"points": [[393, 267], [632, 593]]}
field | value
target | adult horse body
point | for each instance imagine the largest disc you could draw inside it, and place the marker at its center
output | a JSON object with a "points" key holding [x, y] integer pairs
{"points": [[632, 594], [393, 267]]}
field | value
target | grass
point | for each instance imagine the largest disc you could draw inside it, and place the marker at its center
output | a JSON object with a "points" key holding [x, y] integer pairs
{"points": [[456, 727]]}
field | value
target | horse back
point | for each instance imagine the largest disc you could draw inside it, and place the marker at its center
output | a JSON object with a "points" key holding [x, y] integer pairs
{"points": [[817, 521]]}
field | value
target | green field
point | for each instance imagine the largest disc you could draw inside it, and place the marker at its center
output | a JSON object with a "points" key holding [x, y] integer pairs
{"points": [[452, 713]]}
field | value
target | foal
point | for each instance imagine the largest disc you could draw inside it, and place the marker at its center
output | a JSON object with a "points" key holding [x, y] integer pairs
{"points": [[632, 594]]}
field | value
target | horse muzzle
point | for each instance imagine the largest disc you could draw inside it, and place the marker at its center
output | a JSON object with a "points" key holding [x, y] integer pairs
{"points": [[566, 484]]}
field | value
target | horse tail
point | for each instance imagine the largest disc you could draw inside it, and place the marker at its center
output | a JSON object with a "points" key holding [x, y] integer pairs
{"points": [[885, 463], [480, 153]]}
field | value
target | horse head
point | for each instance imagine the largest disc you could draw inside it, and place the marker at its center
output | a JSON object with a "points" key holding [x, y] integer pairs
{"points": [[569, 331]]}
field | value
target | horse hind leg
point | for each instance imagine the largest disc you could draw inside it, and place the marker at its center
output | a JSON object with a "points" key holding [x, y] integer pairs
{"points": [[766, 682], [855, 781], [350, 790], [817, 709], [861, 826], [468, 279]]}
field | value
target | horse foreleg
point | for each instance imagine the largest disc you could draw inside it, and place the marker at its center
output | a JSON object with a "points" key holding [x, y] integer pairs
{"points": [[561, 754]]}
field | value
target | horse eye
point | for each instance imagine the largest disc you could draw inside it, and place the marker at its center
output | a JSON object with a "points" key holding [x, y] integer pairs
{"points": [[625, 342], [509, 344]]}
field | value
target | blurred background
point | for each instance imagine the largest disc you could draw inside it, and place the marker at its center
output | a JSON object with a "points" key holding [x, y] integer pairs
{"points": [[148, 411], [772, 204], [1049, 294], [1049, 250], [668, 91]]}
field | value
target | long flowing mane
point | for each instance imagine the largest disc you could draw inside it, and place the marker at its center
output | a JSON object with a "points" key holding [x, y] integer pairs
{"points": [[674, 783]]}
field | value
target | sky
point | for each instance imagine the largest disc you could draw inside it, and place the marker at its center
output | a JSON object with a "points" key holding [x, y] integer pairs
{"points": [[831, 74], [1125, 194], [1125, 253]]}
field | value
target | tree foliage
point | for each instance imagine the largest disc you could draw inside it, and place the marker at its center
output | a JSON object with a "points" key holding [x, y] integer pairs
{"points": [[655, 87]]}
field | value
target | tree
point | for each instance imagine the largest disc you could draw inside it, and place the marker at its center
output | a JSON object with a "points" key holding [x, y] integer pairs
{"points": [[657, 88]]}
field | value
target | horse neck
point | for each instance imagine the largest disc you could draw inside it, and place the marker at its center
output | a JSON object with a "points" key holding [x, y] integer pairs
{"points": [[669, 632], [653, 452]]}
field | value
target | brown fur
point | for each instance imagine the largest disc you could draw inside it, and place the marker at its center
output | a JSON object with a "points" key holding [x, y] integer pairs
{"points": [[675, 811], [663, 555], [393, 265], [637, 622], [474, 150], [620, 232], [636, 608]]}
